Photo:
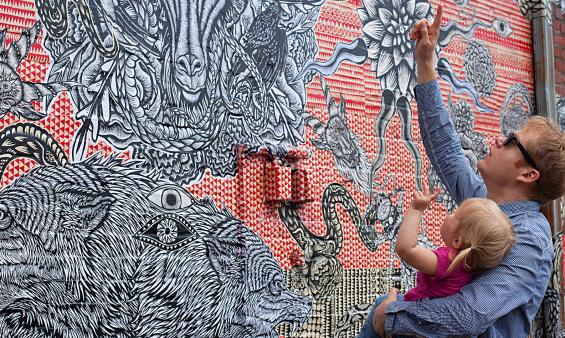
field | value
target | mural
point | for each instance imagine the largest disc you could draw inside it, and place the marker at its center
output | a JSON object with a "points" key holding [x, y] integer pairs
{"points": [[386, 25], [183, 82], [321, 270], [16, 95], [99, 242], [129, 204]]}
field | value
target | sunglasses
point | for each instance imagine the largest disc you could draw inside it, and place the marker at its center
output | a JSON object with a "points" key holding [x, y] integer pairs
{"points": [[512, 138]]}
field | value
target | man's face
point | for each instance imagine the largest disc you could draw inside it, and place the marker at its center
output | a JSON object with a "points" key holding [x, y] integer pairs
{"points": [[503, 164]]}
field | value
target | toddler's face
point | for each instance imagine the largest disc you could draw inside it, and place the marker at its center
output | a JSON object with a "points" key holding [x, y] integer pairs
{"points": [[449, 228]]}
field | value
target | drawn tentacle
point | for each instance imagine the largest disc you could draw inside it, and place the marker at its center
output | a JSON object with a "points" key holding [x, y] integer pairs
{"points": [[453, 29], [405, 113], [335, 193], [288, 213], [329, 243], [321, 270], [30, 141], [388, 103]]}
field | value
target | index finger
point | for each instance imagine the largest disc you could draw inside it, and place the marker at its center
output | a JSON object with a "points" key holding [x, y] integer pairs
{"points": [[426, 190], [437, 20]]}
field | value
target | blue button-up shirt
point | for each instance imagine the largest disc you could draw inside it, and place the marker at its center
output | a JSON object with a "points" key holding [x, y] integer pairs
{"points": [[500, 302]]}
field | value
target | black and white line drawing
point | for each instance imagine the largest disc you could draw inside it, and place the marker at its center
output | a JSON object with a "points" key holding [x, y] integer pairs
{"points": [[183, 83], [459, 86], [535, 8], [98, 248], [321, 270], [354, 314], [336, 137], [479, 68], [386, 25], [480, 71], [516, 108], [454, 28], [17, 96]]}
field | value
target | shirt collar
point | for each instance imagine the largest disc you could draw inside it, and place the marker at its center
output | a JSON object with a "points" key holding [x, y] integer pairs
{"points": [[520, 207]]}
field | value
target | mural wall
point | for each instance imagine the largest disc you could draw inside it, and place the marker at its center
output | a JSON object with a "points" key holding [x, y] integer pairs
{"points": [[229, 168]]}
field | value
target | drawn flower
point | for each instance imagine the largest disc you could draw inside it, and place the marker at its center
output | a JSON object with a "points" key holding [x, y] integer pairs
{"points": [[386, 26], [516, 108], [167, 231], [479, 68], [462, 116]]}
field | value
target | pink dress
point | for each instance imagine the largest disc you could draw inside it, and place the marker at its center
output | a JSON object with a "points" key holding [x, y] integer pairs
{"points": [[443, 284]]}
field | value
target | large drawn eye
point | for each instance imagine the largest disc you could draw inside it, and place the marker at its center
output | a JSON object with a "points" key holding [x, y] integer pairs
{"points": [[171, 197], [502, 27], [167, 231]]}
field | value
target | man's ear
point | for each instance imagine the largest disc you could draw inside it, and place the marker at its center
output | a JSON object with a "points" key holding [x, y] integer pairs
{"points": [[528, 175]]}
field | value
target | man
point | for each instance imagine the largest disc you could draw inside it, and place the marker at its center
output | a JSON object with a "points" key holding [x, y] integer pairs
{"points": [[520, 173]]}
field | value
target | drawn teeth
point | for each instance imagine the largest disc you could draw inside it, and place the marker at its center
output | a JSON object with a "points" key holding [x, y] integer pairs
{"points": [[294, 328], [167, 120]]}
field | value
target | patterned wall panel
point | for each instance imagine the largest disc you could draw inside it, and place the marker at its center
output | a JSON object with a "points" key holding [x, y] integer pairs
{"points": [[228, 168]]}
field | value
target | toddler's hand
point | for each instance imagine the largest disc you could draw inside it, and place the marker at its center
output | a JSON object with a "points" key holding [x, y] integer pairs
{"points": [[423, 198]]}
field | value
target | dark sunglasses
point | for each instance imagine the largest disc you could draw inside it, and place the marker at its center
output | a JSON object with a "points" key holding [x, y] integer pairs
{"points": [[512, 138]]}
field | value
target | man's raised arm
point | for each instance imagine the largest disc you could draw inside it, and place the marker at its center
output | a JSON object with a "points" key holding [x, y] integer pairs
{"points": [[440, 138]]}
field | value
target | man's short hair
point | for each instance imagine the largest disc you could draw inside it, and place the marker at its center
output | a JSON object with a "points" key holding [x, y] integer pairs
{"points": [[548, 152]]}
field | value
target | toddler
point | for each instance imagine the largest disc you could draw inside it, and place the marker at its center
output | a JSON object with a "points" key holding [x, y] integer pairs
{"points": [[476, 237]]}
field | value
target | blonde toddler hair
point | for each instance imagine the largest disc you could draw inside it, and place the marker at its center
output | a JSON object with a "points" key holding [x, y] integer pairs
{"points": [[487, 235]]}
